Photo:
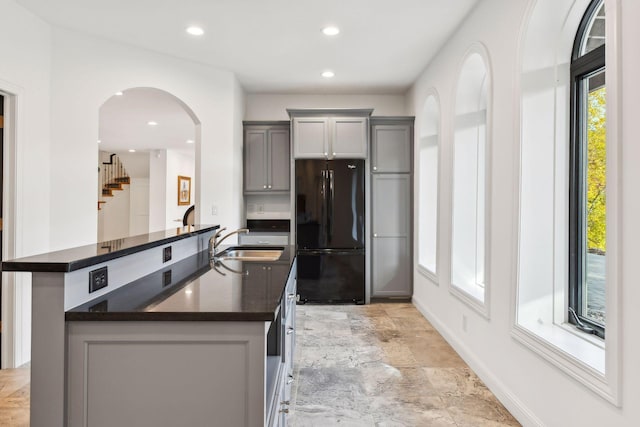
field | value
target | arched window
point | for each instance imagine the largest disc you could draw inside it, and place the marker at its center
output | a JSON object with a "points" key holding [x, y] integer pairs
{"points": [[428, 185], [587, 174], [469, 243]]}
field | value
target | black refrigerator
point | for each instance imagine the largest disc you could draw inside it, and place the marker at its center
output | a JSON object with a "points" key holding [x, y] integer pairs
{"points": [[330, 220]]}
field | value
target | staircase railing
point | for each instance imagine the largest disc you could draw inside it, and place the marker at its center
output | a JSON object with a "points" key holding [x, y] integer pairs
{"points": [[113, 176]]}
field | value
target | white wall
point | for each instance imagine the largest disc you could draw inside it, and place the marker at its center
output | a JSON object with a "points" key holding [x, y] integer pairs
{"points": [[85, 72], [139, 206], [178, 163], [113, 217], [274, 106], [25, 49], [158, 190], [536, 392]]}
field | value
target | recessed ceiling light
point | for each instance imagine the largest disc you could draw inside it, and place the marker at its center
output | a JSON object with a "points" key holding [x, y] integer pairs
{"points": [[189, 141], [195, 31], [132, 150], [119, 94], [328, 74], [188, 292], [331, 31], [99, 141], [152, 123]]}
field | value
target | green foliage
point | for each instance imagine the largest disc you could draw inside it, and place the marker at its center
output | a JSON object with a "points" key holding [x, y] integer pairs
{"points": [[596, 171]]}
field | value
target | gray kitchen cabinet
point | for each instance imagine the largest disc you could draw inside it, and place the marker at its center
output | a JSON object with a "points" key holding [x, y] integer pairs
{"points": [[310, 137], [391, 235], [349, 138], [391, 147], [391, 207], [330, 134], [266, 158]]}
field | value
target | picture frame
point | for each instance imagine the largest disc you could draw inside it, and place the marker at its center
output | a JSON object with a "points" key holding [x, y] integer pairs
{"points": [[184, 190]]}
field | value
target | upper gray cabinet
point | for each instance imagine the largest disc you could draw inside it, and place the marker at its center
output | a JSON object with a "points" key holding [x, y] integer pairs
{"points": [[349, 138], [310, 137], [266, 157], [391, 145], [328, 134]]}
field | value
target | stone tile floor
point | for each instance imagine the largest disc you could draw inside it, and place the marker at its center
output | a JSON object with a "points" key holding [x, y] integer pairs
{"points": [[376, 365], [383, 365], [14, 397]]}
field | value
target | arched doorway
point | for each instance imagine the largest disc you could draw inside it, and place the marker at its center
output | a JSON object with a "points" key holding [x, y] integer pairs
{"points": [[147, 145]]}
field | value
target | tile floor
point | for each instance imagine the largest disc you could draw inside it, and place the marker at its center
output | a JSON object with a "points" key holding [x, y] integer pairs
{"points": [[14, 397], [383, 365], [376, 365]]}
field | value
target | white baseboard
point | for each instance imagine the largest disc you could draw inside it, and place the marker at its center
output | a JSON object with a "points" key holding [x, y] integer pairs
{"points": [[497, 387]]}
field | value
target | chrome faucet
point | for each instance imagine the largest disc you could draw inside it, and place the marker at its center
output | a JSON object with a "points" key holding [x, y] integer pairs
{"points": [[214, 242]]}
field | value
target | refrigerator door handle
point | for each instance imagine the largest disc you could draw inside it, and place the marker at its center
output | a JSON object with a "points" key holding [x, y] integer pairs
{"points": [[330, 206], [324, 192]]}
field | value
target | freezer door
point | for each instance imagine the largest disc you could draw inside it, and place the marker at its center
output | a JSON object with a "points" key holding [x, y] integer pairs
{"points": [[345, 204], [331, 277]]}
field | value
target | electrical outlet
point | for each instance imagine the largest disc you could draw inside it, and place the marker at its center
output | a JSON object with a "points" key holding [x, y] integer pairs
{"points": [[166, 254], [214, 210], [98, 279], [260, 208], [166, 278]]}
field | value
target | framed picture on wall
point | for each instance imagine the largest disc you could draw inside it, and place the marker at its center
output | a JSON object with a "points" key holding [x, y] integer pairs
{"points": [[184, 190]]}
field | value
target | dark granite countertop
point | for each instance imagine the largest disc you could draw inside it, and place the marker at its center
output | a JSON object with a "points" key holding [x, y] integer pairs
{"points": [[68, 260], [268, 225], [195, 290]]}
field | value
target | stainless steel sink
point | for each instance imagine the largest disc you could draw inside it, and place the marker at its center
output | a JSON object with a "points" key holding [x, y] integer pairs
{"points": [[239, 253]]}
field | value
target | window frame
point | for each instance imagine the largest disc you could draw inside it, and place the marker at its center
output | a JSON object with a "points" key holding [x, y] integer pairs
{"points": [[581, 67]]}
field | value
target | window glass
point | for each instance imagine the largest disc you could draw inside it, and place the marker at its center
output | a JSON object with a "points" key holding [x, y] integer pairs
{"points": [[594, 37], [595, 208]]}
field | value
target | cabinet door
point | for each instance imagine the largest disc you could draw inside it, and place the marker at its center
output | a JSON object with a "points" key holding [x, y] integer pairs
{"points": [[310, 137], [391, 148], [255, 160], [391, 243], [349, 138], [279, 160]]}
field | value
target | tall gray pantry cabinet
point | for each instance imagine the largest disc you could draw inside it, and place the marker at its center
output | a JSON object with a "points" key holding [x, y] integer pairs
{"points": [[391, 207]]}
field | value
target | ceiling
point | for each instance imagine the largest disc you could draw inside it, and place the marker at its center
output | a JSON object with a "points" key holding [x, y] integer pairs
{"points": [[276, 46], [124, 122]]}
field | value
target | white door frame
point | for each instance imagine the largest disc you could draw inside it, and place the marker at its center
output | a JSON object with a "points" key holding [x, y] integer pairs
{"points": [[16, 289]]}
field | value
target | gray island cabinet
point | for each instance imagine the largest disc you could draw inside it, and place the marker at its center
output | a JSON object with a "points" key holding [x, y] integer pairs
{"points": [[182, 342]]}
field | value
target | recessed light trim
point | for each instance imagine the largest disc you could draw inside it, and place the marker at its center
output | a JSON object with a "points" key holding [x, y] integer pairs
{"points": [[119, 94], [195, 31], [132, 150], [331, 31], [190, 141], [99, 141], [152, 123], [328, 74]]}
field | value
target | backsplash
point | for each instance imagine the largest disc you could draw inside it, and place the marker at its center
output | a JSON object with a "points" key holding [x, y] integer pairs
{"points": [[268, 206]]}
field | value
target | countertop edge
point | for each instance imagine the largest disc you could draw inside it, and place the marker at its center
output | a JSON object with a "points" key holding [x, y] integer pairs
{"points": [[169, 317], [30, 263]]}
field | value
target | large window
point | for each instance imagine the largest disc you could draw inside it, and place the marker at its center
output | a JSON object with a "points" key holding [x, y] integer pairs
{"points": [[587, 180], [470, 183]]}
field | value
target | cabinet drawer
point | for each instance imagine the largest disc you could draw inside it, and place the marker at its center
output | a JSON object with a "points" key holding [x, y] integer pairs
{"points": [[264, 239]]}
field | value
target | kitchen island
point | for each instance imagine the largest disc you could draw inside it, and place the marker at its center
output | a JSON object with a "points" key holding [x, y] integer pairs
{"points": [[190, 343]]}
